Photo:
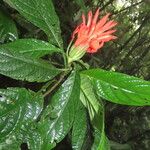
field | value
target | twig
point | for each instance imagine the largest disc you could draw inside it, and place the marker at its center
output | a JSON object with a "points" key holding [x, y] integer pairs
{"points": [[55, 85]]}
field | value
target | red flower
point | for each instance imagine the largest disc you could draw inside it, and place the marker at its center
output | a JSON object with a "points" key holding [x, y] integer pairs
{"points": [[94, 34]]}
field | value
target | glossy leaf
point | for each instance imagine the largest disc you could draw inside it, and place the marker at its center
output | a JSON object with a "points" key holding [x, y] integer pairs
{"points": [[79, 131], [59, 115], [88, 98], [29, 134], [96, 112], [19, 67], [8, 30], [18, 107], [42, 14], [31, 47], [10, 143], [35, 139], [100, 140], [120, 88]]}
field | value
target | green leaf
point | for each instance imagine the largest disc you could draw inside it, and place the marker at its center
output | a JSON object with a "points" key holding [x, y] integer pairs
{"points": [[8, 30], [29, 134], [96, 112], [79, 134], [35, 139], [89, 99], [42, 14], [59, 116], [120, 88], [31, 47], [19, 67], [18, 107], [10, 143], [100, 140]]}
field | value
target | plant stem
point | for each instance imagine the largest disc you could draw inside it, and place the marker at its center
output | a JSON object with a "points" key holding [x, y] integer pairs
{"points": [[55, 85], [45, 86], [83, 64], [68, 48], [65, 60]]}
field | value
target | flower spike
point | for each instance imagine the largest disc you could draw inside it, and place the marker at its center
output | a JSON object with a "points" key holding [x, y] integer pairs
{"points": [[94, 34]]}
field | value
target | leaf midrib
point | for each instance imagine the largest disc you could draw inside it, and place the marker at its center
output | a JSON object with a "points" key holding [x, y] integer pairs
{"points": [[113, 85], [124, 90], [30, 61]]}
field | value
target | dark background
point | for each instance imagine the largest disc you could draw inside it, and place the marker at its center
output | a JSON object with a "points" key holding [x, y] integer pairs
{"points": [[130, 54]]}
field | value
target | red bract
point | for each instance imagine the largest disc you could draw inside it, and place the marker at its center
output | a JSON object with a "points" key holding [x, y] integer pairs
{"points": [[94, 34]]}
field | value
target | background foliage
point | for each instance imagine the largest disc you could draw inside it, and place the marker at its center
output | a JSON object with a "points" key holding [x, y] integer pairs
{"points": [[128, 126]]}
